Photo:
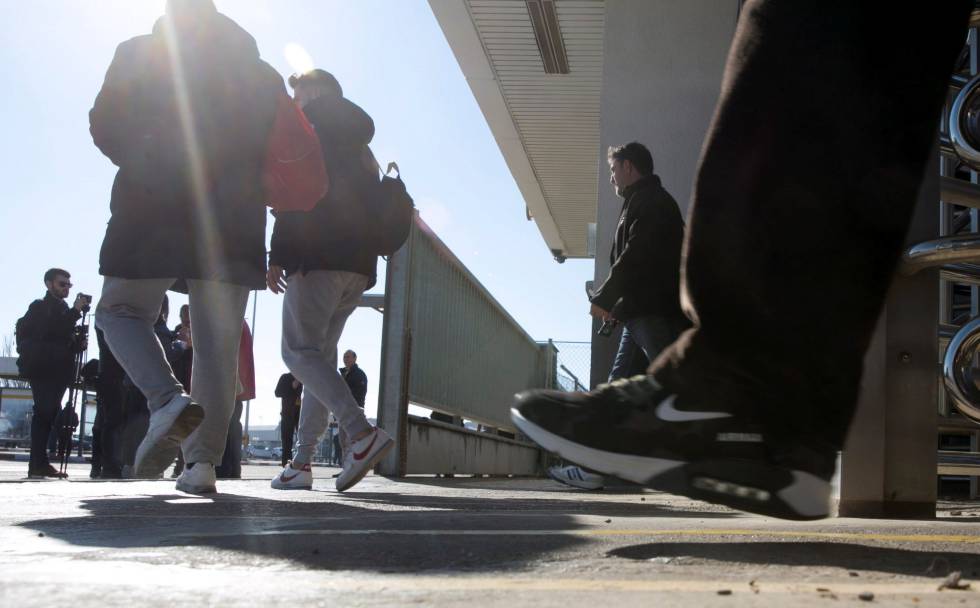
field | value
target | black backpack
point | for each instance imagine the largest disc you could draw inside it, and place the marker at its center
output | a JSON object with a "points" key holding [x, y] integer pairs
{"points": [[25, 358], [391, 212]]}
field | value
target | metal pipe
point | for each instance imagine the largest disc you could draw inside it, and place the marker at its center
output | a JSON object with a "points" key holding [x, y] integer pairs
{"points": [[963, 112], [959, 192], [960, 374], [967, 274], [939, 252]]}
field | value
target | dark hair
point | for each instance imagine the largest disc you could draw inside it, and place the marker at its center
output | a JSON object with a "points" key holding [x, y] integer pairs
{"points": [[351, 352], [636, 153], [53, 273], [317, 77]]}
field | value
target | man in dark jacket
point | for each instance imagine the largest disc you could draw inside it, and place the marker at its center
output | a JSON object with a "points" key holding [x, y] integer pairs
{"points": [[185, 112], [323, 258], [290, 390], [355, 377], [642, 289], [47, 343]]}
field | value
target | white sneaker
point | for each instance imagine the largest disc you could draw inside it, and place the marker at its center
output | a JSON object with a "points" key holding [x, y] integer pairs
{"points": [[198, 479], [577, 477], [294, 479], [169, 425], [362, 456]]}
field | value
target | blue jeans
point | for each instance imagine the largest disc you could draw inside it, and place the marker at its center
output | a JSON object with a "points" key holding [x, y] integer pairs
{"points": [[642, 341]]}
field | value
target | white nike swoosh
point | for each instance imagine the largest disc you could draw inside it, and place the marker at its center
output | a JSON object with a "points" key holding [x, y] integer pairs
{"points": [[667, 412]]}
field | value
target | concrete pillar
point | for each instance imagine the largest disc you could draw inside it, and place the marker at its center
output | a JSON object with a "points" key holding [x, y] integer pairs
{"points": [[663, 62], [888, 467]]}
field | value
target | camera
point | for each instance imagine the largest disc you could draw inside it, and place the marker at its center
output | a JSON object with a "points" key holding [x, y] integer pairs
{"points": [[87, 299]]}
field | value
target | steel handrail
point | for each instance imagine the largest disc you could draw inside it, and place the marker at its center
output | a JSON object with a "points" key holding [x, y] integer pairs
{"points": [[959, 370]]}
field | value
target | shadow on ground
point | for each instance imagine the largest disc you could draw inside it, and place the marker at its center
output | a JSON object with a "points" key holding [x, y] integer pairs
{"points": [[325, 533], [848, 556]]}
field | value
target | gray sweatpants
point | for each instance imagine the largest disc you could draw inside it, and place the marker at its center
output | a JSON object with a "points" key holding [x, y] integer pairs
{"points": [[126, 312], [314, 311]]}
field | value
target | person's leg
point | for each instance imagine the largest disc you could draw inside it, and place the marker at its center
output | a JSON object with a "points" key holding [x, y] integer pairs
{"points": [[652, 334], [217, 310], [231, 460], [315, 309], [97, 426], [126, 313], [313, 418], [805, 190], [288, 421], [623, 363], [47, 403], [110, 396], [136, 420], [806, 187]]}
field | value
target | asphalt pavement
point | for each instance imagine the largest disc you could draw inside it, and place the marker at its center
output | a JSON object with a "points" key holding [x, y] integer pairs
{"points": [[451, 542]]}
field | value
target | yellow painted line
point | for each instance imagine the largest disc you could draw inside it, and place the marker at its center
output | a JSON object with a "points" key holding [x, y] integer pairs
{"points": [[882, 537]]}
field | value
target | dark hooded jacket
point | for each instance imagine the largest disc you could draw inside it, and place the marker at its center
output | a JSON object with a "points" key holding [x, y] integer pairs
{"points": [[332, 235], [47, 341], [185, 113], [646, 255]]}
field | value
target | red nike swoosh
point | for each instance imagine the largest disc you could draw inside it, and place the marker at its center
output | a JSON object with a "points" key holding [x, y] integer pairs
{"points": [[285, 479], [361, 455]]}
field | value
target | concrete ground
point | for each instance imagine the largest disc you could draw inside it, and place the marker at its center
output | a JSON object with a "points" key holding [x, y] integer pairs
{"points": [[449, 542]]}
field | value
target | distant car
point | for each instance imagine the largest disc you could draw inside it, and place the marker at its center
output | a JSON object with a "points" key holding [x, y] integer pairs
{"points": [[277, 452], [261, 452]]}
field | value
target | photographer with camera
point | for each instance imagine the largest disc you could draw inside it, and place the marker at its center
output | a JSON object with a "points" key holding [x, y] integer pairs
{"points": [[48, 341]]}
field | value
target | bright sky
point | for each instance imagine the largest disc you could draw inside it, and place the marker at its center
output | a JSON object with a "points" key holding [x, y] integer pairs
{"points": [[391, 58]]}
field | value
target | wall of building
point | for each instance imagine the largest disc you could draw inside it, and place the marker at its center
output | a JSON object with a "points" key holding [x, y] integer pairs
{"points": [[662, 70]]}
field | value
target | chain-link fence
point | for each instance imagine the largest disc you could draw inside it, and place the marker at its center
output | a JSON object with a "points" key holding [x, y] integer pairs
{"points": [[574, 365]]}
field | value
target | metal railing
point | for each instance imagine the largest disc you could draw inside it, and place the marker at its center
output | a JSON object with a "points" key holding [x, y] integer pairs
{"points": [[468, 355], [450, 346]]}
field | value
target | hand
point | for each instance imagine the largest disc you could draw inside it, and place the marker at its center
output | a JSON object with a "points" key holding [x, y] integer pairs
{"points": [[81, 302], [275, 278], [600, 313], [185, 336]]}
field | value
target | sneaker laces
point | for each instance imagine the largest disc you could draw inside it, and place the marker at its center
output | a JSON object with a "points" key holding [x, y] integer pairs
{"points": [[636, 390]]}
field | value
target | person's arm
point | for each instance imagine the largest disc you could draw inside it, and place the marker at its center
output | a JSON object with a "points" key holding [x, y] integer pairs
{"points": [[112, 120], [284, 247], [644, 258]]}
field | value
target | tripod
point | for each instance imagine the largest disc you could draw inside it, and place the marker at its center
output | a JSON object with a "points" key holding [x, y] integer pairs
{"points": [[68, 417]]}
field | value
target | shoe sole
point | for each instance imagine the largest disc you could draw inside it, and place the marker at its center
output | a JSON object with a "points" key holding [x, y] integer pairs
{"points": [[744, 485], [283, 487], [153, 458], [195, 490], [278, 485], [381, 453]]}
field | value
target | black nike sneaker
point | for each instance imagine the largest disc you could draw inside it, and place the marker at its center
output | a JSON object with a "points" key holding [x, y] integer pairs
{"points": [[639, 431]]}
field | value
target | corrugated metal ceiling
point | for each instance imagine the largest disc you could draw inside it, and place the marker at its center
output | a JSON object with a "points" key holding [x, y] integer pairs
{"points": [[555, 115]]}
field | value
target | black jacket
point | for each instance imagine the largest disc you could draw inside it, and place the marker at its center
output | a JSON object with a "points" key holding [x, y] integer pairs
{"points": [[357, 382], [171, 215], [286, 392], [331, 236], [48, 346], [646, 255]]}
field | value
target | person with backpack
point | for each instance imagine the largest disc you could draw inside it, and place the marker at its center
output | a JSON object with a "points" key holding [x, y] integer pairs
{"points": [[47, 344], [186, 113], [325, 260]]}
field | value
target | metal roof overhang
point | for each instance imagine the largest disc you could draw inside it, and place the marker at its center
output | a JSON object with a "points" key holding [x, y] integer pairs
{"points": [[545, 124]]}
